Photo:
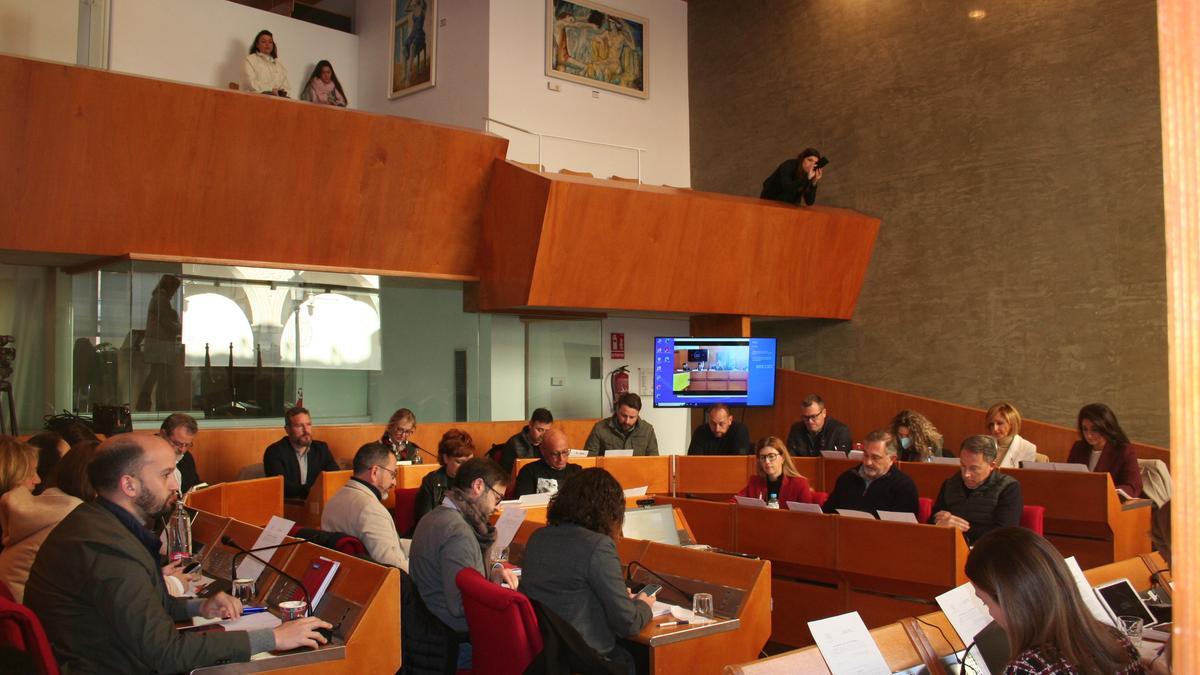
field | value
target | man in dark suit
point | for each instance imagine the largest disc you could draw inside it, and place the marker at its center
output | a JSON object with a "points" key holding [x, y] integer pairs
{"points": [[97, 587], [180, 430], [296, 456], [816, 431]]}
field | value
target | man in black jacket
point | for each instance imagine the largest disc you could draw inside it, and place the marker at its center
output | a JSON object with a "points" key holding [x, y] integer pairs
{"points": [[877, 484], [720, 435], [547, 474], [816, 430], [978, 499], [180, 430], [296, 456], [526, 442]]}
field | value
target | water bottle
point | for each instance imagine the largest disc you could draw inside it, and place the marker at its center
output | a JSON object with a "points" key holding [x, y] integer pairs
{"points": [[179, 534], [413, 453], [772, 501]]}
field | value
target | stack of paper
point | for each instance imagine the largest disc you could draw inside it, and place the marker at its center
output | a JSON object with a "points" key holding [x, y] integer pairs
{"points": [[847, 646], [967, 613]]}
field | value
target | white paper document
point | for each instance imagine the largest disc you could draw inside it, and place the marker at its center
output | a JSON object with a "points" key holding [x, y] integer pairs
{"points": [[573, 454], [833, 454], [749, 501], [535, 499], [803, 507], [1088, 593], [847, 646], [897, 516], [618, 453], [967, 613], [506, 528], [856, 455], [943, 460], [272, 535], [637, 491], [855, 514]]}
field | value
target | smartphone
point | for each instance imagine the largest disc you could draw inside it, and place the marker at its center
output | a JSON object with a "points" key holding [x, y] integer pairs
{"points": [[651, 589], [192, 567], [822, 162]]}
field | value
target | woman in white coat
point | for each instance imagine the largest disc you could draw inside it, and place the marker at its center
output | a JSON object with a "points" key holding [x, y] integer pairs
{"points": [[1003, 423]]}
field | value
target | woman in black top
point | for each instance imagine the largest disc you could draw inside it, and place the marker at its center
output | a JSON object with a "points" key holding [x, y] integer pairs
{"points": [[455, 448], [795, 181], [571, 566]]}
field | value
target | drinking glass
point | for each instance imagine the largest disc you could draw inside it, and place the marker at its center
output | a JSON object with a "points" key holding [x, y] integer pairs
{"points": [[702, 606], [1132, 627], [243, 589]]}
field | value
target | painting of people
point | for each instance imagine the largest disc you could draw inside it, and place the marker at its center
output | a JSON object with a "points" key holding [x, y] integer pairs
{"points": [[414, 46], [596, 46]]}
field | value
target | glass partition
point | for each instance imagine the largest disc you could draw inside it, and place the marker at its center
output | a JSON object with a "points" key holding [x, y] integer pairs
{"points": [[236, 343]]}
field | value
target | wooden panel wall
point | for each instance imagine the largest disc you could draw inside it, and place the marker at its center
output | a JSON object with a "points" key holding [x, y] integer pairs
{"points": [[605, 244], [108, 164], [221, 453], [865, 409]]}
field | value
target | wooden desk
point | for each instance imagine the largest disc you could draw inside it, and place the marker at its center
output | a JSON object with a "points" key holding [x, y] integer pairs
{"points": [[711, 475], [363, 601], [632, 472], [898, 649], [253, 501], [1084, 516]]}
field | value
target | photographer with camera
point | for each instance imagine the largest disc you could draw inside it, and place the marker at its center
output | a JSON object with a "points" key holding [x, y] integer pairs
{"points": [[796, 179]]}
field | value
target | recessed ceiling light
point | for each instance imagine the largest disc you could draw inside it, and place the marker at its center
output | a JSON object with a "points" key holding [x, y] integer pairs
{"points": [[976, 14]]}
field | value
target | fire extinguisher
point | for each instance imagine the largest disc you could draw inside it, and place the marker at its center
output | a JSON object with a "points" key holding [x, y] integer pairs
{"points": [[618, 380]]}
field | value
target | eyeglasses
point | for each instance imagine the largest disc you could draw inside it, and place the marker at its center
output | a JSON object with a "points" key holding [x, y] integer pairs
{"points": [[404, 432], [769, 457], [391, 471], [813, 418], [499, 495]]}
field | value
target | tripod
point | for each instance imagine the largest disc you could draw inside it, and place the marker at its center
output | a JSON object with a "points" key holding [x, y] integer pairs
{"points": [[8, 354], [6, 388]]}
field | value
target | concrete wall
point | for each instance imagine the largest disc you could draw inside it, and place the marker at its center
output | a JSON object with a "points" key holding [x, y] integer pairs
{"points": [[1015, 162]]}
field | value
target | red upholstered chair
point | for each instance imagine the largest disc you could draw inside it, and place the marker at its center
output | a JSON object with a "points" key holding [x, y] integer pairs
{"points": [[405, 512], [924, 509], [817, 498], [21, 630], [1033, 517], [338, 541], [505, 636]]}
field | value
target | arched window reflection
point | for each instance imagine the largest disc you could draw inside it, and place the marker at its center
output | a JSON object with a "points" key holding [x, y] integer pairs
{"points": [[216, 320], [336, 331]]}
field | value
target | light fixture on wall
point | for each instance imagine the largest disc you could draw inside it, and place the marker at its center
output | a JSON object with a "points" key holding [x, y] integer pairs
{"points": [[976, 14]]}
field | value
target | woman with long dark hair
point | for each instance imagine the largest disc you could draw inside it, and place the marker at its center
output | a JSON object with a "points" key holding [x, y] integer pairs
{"points": [[1104, 448], [1031, 594], [262, 71], [571, 566], [323, 87]]}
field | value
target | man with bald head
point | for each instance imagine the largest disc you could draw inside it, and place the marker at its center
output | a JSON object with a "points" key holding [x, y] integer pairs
{"points": [[97, 587], [548, 473]]}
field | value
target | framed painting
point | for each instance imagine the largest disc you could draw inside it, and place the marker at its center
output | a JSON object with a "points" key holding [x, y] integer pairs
{"points": [[596, 46], [414, 46]]}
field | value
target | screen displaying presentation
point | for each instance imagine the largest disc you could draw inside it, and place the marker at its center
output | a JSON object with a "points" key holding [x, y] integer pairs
{"points": [[704, 371]]}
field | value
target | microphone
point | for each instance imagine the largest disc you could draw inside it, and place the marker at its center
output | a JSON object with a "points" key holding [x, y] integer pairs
{"points": [[629, 579], [228, 541]]}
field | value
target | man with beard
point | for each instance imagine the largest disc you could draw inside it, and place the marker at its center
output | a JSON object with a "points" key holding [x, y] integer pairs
{"points": [[458, 534], [98, 590], [296, 456], [623, 431], [524, 443]]}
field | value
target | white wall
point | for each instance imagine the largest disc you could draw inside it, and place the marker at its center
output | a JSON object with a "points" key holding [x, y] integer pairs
{"points": [[671, 425], [502, 362], [459, 94], [205, 42], [40, 29], [558, 368], [518, 93]]}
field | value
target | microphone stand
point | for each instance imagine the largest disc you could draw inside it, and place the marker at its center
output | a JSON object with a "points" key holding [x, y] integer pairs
{"points": [[242, 551], [691, 597]]}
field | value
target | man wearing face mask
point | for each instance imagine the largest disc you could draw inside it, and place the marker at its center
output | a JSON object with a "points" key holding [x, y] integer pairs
{"points": [[877, 484], [978, 499], [625, 430], [97, 588], [795, 181]]}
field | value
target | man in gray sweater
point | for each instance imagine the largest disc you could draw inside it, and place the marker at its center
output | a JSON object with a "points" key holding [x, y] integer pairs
{"points": [[455, 535]]}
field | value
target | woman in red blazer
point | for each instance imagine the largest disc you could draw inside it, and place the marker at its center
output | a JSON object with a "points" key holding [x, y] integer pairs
{"points": [[1100, 433], [775, 474]]}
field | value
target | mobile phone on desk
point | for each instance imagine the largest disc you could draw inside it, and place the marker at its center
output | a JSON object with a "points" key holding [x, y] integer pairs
{"points": [[195, 565], [651, 589]]}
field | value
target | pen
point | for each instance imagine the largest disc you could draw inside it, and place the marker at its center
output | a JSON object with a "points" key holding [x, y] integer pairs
{"points": [[253, 610], [677, 623]]}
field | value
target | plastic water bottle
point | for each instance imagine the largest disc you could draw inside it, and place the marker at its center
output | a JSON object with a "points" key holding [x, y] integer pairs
{"points": [[179, 534], [772, 501]]}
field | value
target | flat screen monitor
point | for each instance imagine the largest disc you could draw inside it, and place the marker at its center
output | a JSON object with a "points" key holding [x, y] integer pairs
{"points": [[702, 371], [651, 523]]}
